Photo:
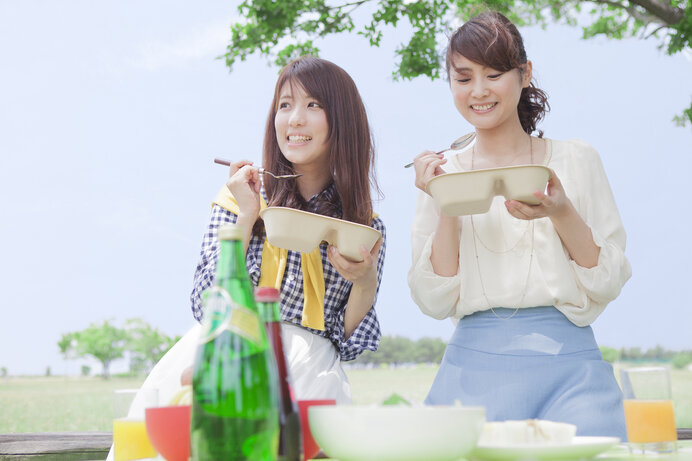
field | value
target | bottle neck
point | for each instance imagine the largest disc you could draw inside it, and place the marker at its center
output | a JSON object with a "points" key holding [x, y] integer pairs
{"points": [[231, 263], [232, 274], [269, 311]]}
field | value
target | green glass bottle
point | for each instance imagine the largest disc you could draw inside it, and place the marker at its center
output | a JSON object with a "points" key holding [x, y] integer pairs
{"points": [[235, 385], [290, 444]]}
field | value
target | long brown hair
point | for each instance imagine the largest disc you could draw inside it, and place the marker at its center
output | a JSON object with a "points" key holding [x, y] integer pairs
{"points": [[351, 149], [490, 39]]}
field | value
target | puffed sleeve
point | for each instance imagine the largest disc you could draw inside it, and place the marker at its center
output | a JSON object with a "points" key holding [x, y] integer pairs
{"points": [[596, 205], [435, 295]]}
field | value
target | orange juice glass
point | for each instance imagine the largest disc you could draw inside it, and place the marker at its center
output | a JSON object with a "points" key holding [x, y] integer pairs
{"points": [[649, 410], [130, 439]]}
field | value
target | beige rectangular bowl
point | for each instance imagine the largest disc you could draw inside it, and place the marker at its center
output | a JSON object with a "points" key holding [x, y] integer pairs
{"points": [[472, 192], [302, 231]]}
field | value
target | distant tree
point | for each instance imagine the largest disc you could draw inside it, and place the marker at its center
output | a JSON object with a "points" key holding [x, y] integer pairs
{"points": [[107, 342], [104, 342], [139, 365], [657, 354], [631, 354], [289, 28], [86, 370], [681, 360], [429, 350], [398, 350], [67, 346], [3, 372], [395, 350], [609, 354], [146, 345]]}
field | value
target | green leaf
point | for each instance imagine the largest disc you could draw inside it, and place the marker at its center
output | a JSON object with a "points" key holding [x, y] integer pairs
{"points": [[292, 52], [684, 118], [396, 399], [419, 57], [682, 33]]}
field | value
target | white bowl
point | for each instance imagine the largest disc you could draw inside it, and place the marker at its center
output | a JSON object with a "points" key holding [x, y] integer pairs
{"points": [[472, 192], [396, 433], [302, 231]]}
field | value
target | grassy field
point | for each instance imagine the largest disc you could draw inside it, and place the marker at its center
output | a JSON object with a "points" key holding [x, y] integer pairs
{"points": [[53, 404], [40, 404]]}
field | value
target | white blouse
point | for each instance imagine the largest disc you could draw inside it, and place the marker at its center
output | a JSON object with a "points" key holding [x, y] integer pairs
{"points": [[501, 276]]}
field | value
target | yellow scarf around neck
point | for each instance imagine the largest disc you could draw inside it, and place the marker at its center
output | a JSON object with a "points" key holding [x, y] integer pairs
{"points": [[274, 265]]}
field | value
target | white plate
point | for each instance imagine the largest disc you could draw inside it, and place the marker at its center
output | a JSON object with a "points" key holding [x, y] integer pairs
{"points": [[580, 448], [472, 192], [302, 231]]}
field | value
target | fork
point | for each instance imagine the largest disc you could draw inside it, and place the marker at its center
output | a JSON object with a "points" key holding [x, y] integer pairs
{"points": [[261, 170]]}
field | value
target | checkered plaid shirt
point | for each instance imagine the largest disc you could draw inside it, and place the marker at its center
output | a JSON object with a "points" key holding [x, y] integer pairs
{"points": [[337, 289]]}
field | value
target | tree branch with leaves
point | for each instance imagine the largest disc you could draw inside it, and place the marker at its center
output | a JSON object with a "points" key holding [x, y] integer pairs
{"points": [[288, 29]]}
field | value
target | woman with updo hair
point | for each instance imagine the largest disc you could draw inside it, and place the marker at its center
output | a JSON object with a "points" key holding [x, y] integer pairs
{"points": [[524, 282]]}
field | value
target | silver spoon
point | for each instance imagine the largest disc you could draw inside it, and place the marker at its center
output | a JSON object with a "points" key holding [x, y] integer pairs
{"points": [[260, 170], [458, 144]]}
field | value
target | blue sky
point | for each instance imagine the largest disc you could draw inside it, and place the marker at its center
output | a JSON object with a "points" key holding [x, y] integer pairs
{"points": [[112, 112]]}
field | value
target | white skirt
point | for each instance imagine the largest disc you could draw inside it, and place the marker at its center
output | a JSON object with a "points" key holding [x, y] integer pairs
{"points": [[314, 368]]}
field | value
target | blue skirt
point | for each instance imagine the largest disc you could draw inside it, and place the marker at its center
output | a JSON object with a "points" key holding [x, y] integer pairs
{"points": [[536, 364]]}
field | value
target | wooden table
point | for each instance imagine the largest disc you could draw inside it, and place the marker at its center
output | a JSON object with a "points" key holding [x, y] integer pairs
{"points": [[80, 446], [57, 446]]}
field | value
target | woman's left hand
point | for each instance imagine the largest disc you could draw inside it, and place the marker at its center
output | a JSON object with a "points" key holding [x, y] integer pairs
{"points": [[362, 274], [554, 204]]}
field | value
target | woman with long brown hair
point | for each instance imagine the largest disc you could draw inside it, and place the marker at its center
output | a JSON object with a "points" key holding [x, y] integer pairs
{"points": [[317, 127], [524, 281]]}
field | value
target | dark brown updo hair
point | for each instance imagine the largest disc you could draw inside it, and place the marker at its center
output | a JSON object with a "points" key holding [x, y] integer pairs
{"points": [[490, 39]]}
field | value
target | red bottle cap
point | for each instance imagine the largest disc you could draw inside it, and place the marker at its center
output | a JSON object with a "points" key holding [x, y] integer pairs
{"points": [[266, 294]]}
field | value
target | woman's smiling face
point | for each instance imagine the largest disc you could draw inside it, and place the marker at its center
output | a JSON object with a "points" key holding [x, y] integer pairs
{"points": [[301, 128], [485, 97]]}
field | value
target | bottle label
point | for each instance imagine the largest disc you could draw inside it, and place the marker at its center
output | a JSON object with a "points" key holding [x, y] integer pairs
{"points": [[246, 323], [221, 313]]}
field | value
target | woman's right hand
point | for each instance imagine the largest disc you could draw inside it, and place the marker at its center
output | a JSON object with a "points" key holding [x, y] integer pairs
{"points": [[427, 166], [244, 184]]}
